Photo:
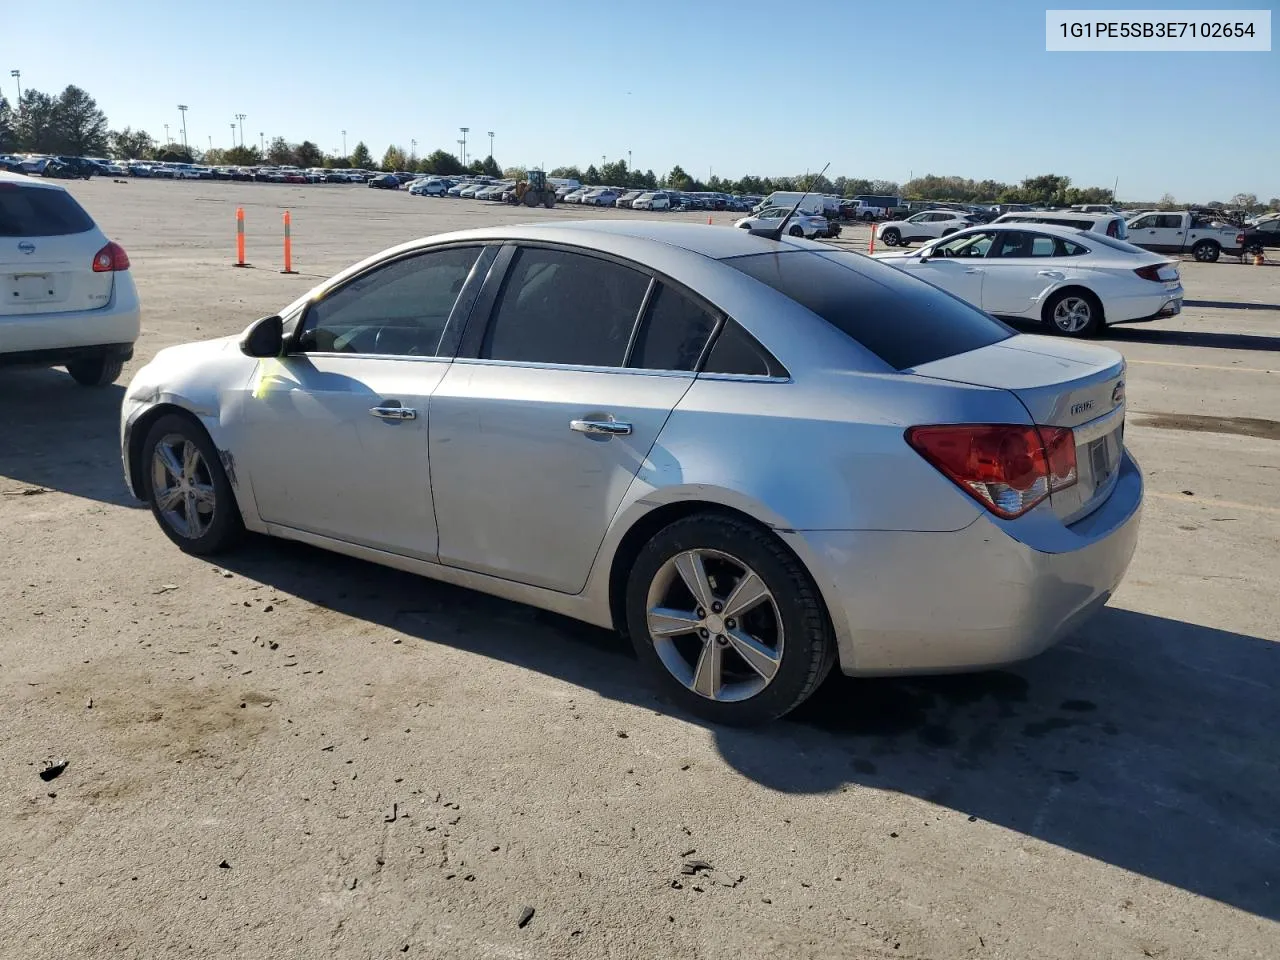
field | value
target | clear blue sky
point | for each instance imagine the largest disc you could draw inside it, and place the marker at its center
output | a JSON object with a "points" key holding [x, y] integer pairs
{"points": [[880, 89]]}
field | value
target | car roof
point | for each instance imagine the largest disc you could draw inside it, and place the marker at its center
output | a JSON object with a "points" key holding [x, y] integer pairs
{"points": [[29, 181], [1026, 215], [716, 243], [1050, 229]]}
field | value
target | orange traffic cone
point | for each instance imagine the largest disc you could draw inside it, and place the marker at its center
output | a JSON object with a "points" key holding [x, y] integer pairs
{"points": [[708, 219]]}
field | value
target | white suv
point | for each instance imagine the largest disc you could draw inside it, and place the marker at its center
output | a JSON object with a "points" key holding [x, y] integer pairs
{"points": [[928, 225], [66, 296]]}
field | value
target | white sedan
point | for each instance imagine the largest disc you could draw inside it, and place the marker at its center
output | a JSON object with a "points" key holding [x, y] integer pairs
{"points": [[801, 225], [928, 225], [1074, 280]]}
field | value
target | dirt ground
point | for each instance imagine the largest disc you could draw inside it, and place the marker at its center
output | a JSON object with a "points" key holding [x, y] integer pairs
{"points": [[296, 755]]}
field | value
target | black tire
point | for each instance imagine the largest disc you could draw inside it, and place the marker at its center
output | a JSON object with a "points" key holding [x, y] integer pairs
{"points": [[808, 650], [796, 231], [530, 199], [225, 527], [1255, 249], [96, 371], [549, 201], [1095, 316], [949, 231], [891, 237], [1206, 251]]}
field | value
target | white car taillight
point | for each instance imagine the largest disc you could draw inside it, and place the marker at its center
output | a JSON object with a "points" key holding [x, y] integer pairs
{"points": [[110, 258]]}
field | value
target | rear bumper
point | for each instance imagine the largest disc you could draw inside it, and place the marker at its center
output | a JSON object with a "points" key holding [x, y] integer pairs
{"points": [[904, 602], [115, 325], [63, 355], [1149, 306]]}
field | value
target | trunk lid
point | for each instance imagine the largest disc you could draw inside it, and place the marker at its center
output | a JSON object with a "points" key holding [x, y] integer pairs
{"points": [[1061, 384], [47, 246], [57, 277]]}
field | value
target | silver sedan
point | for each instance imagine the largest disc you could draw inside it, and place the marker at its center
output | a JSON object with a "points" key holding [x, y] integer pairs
{"points": [[757, 458]]}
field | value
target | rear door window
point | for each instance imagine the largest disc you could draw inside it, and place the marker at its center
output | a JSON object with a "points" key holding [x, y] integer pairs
{"points": [[674, 332], [40, 212], [561, 307], [902, 320]]}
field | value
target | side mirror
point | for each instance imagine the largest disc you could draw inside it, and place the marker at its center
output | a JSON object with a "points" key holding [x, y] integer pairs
{"points": [[263, 338]]}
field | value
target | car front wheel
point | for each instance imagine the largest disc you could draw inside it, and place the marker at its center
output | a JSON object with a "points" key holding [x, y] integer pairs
{"points": [[728, 619], [891, 237], [187, 487]]}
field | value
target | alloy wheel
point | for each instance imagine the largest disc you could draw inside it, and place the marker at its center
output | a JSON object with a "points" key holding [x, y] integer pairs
{"points": [[182, 486], [1072, 315], [715, 625]]}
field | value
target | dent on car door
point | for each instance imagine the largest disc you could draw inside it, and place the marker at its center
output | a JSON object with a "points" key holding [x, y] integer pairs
{"points": [[1020, 267], [541, 424], [336, 430]]}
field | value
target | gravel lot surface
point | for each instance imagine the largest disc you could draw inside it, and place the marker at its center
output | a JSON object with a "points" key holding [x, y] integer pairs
{"points": [[296, 755]]}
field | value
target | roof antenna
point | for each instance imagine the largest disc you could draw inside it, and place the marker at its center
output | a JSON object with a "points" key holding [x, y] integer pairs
{"points": [[775, 233]]}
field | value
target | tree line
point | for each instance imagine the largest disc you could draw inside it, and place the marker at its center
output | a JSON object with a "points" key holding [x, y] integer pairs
{"points": [[72, 123]]}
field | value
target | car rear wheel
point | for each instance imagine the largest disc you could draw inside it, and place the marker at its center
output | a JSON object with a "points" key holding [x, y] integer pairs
{"points": [[728, 619], [1075, 313], [187, 487], [1206, 251], [95, 371], [796, 231], [891, 237]]}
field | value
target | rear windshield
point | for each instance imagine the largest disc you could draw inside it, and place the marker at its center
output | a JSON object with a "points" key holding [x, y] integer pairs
{"points": [[40, 212], [1116, 244], [903, 321]]}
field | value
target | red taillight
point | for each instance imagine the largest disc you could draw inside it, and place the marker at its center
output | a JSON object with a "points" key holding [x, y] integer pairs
{"points": [[1239, 239], [1151, 272], [110, 258], [1005, 467]]}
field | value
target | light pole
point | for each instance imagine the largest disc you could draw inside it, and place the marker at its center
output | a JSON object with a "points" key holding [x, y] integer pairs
{"points": [[166, 135], [240, 117], [464, 144], [491, 143], [413, 148], [262, 142], [17, 78], [233, 134], [183, 108], [344, 143], [211, 141], [628, 159]]}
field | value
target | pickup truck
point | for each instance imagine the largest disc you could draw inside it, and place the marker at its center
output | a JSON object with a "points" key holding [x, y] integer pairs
{"points": [[1186, 232], [860, 210]]}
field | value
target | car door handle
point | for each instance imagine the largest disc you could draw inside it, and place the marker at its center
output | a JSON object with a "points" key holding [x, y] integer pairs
{"points": [[606, 428], [1052, 274], [394, 413], [973, 270]]}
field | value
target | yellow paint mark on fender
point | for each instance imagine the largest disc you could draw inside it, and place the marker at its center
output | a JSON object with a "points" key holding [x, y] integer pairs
{"points": [[266, 370]]}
